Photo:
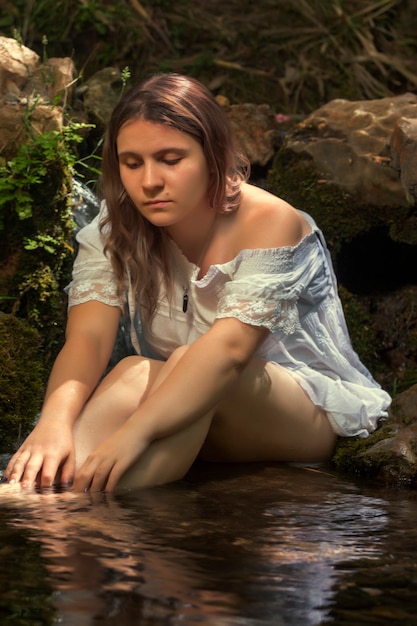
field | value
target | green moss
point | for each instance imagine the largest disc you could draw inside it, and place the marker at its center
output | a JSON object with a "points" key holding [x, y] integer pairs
{"points": [[339, 214], [36, 226], [22, 379], [349, 456], [362, 333], [409, 379]]}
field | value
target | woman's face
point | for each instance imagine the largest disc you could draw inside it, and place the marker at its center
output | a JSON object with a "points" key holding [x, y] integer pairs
{"points": [[164, 171]]}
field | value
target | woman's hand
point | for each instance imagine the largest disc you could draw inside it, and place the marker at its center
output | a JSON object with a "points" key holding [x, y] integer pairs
{"points": [[47, 451], [104, 467]]}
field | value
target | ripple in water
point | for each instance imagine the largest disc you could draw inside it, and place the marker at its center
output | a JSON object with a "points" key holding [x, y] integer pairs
{"points": [[261, 545]]}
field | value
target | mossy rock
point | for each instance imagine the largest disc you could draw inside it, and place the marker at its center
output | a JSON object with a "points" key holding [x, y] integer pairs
{"points": [[362, 332], [341, 216], [35, 250], [389, 455], [22, 380], [350, 455]]}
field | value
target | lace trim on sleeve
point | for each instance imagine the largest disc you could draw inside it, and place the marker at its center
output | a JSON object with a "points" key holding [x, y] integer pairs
{"points": [[92, 275], [261, 308], [94, 281], [266, 286]]}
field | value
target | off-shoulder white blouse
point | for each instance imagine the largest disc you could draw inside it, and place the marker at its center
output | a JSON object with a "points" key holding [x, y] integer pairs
{"points": [[291, 291]]}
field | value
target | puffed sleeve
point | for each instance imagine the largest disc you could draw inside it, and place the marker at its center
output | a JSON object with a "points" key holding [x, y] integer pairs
{"points": [[271, 287], [93, 277]]}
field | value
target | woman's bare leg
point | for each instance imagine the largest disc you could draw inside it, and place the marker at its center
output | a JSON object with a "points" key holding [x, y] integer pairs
{"points": [[111, 404], [267, 416], [119, 394]]}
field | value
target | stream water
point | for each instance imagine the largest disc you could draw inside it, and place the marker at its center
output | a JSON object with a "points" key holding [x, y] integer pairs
{"points": [[255, 545]]}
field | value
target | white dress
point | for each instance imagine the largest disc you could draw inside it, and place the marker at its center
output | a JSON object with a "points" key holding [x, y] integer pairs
{"points": [[291, 291]]}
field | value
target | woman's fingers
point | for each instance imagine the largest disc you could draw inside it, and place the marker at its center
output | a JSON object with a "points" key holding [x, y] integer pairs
{"points": [[98, 475], [49, 471], [24, 467], [15, 467], [29, 467], [68, 470], [92, 475]]}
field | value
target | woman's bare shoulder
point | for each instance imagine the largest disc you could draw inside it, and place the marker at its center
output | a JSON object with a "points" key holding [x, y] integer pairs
{"points": [[267, 221]]}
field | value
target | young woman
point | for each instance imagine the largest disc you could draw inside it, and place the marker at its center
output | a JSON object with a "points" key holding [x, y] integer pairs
{"points": [[242, 352]]}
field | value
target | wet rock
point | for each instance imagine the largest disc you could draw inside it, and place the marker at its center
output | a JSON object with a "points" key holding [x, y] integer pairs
{"points": [[388, 455]]}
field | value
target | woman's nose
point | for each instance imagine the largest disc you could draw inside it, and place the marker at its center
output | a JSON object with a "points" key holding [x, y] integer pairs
{"points": [[152, 176]]}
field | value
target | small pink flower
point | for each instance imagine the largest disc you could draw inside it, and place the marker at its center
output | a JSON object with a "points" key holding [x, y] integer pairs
{"points": [[281, 118]]}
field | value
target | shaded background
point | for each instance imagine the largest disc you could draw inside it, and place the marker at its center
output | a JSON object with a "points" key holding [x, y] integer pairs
{"points": [[294, 56]]}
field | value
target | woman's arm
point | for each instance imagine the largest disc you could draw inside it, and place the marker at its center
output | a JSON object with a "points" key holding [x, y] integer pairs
{"points": [[203, 374], [193, 388], [90, 335]]}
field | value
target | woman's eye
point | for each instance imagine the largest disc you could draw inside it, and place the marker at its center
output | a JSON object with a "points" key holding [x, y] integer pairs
{"points": [[132, 165], [172, 161]]}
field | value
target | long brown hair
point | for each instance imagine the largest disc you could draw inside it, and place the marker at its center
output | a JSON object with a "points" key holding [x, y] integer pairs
{"points": [[134, 244]]}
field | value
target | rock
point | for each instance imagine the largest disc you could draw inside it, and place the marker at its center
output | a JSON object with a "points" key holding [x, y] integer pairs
{"points": [[16, 64], [255, 130], [395, 323], [54, 79], [348, 143], [22, 74], [13, 131], [404, 407], [101, 94], [390, 454], [29, 92], [337, 164], [404, 160]]}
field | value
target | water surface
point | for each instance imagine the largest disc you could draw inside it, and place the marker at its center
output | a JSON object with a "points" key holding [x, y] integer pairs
{"points": [[255, 545]]}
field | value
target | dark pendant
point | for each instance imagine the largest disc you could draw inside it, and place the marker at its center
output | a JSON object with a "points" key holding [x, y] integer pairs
{"points": [[185, 301]]}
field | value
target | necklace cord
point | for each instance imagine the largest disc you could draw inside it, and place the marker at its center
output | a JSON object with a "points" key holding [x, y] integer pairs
{"points": [[185, 297]]}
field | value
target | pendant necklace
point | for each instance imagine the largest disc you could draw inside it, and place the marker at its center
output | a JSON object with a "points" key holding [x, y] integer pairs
{"points": [[185, 300], [185, 297]]}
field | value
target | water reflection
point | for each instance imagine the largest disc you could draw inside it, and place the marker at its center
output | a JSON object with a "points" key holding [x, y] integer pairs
{"points": [[260, 545]]}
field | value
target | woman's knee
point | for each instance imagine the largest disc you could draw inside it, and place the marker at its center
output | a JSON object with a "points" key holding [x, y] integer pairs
{"points": [[132, 369]]}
